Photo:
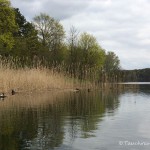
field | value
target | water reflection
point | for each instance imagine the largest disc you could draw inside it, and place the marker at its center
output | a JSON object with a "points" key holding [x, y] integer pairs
{"points": [[56, 120], [36, 122]]}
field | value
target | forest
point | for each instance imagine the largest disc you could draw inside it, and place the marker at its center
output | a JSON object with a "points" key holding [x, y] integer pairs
{"points": [[44, 42], [137, 75]]}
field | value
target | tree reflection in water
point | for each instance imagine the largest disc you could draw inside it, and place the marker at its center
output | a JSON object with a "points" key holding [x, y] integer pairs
{"points": [[44, 121]]}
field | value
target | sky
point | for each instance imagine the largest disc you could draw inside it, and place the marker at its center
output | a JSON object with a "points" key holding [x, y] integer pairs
{"points": [[121, 26]]}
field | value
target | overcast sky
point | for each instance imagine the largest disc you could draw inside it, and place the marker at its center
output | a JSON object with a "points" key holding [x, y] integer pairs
{"points": [[122, 26]]}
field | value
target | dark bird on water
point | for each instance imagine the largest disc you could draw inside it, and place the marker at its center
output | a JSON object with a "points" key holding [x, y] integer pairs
{"points": [[77, 89], [13, 92], [89, 90], [2, 95]]}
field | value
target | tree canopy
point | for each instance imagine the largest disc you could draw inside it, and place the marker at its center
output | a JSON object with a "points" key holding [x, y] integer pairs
{"points": [[7, 26], [93, 54], [44, 41], [112, 62]]}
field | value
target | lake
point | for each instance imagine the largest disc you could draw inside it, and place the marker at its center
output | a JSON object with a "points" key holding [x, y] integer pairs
{"points": [[110, 119]]}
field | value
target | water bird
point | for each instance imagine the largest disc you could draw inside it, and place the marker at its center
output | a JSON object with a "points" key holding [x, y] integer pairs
{"points": [[89, 90], [13, 92], [77, 90], [2, 95]]}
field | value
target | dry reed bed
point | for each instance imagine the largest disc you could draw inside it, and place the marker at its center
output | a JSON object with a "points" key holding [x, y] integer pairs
{"points": [[27, 79], [32, 79]]}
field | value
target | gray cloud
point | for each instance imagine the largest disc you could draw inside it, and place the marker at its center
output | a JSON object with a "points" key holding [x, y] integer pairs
{"points": [[56, 8], [122, 26]]}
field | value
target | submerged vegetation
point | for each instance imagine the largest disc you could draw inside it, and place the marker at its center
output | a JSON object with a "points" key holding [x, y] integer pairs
{"points": [[42, 53]]}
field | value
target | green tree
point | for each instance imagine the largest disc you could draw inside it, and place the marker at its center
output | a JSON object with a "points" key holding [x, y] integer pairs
{"points": [[26, 28], [50, 30], [112, 62], [74, 54], [111, 67], [26, 38], [51, 34], [7, 27], [93, 54]]}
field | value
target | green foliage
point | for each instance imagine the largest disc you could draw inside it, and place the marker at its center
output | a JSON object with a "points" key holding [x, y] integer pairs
{"points": [[50, 30], [44, 41], [26, 29], [85, 56], [7, 40], [92, 54], [7, 26], [26, 39], [51, 34], [112, 62]]}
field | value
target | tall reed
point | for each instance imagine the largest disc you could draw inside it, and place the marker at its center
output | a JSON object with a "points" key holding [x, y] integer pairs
{"points": [[31, 78]]}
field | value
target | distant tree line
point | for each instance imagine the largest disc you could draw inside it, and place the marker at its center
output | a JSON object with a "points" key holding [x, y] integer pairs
{"points": [[44, 42], [138, 75]]}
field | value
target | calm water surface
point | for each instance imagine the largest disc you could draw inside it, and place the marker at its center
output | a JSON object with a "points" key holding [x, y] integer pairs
{"points": [[98, 120]]}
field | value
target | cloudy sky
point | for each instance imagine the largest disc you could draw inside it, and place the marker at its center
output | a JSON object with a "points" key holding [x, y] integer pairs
{"points": [[122, 26]]}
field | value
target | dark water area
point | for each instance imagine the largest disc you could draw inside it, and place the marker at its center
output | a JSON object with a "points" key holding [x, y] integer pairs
{"points": [[97, 120]]}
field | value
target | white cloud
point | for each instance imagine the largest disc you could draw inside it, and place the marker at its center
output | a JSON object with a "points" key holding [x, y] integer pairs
{"points": [[122, 26]]}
